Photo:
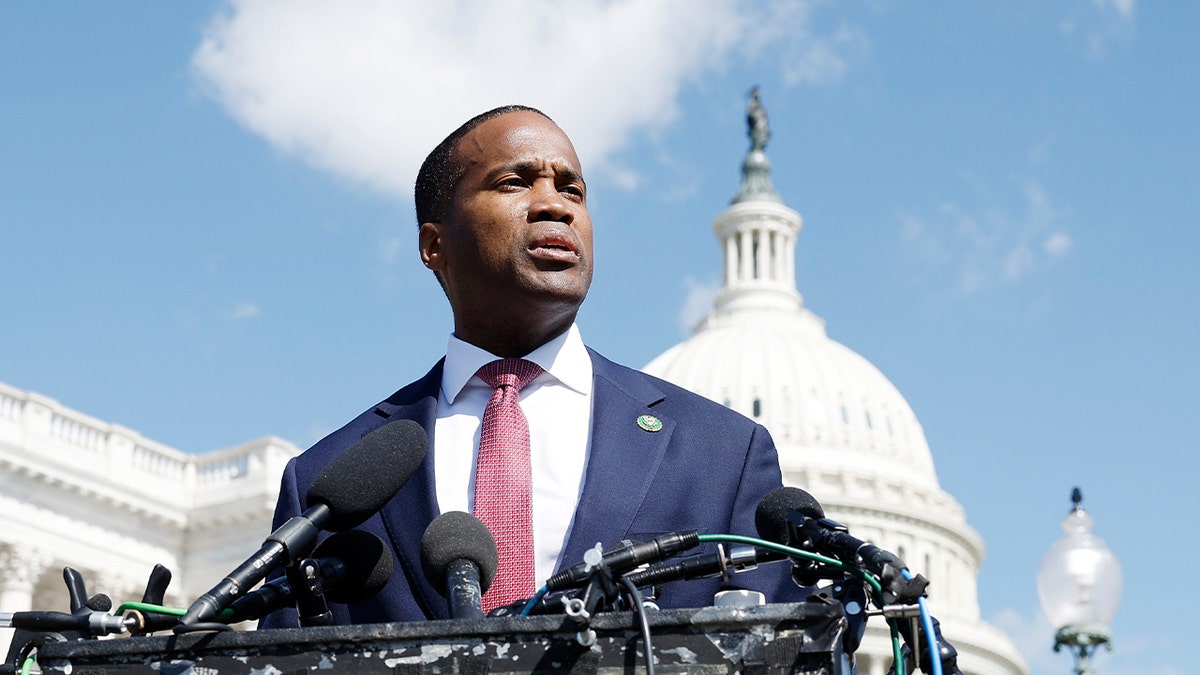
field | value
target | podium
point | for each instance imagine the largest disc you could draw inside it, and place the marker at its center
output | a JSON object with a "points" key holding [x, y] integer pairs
{"points": [[804, 638]]}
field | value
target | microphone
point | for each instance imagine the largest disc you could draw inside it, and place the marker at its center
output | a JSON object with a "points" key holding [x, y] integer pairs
{"points": [[356, 484], [89, 616], [459, 556], [704, 566], [354, 564], [793, 517], [627, 557], [86, 622]]}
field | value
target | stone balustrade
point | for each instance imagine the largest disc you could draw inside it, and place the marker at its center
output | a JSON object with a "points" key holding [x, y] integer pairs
{"points": [[45, 439]]}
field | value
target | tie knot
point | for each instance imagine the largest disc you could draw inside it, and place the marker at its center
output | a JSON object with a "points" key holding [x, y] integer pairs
{"points": [[509, 373]]}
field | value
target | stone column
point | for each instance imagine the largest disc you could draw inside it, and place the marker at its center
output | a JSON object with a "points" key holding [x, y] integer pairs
{"points": [[746, 263], [19, 574], [731, 260], [760, 254]]}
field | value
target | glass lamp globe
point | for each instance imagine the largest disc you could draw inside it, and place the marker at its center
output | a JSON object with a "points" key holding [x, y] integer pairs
{"points": [[1079, 582]]}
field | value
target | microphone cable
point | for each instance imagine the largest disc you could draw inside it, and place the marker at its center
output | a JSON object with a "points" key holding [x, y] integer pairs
{"points": [[799, 553], [930, 636], [873, 584], [533, 602], [639, 608], [897, 654]]}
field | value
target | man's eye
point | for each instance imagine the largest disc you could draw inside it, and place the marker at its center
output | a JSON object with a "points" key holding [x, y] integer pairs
{"points": [[573, 190]]}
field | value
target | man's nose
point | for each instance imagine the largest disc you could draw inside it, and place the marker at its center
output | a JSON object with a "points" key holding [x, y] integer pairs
{"points": [[550, 204]]}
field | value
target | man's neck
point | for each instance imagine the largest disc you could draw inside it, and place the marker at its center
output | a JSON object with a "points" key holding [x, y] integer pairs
{"points": [[512, 341]]}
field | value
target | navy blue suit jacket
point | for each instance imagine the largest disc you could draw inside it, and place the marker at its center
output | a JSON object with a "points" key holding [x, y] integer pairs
{"points": [[706, 470]]}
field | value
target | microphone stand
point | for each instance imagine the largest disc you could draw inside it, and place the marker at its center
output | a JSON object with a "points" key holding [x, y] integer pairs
{"points": [[911, 631], [308, 590], [88, 618]]}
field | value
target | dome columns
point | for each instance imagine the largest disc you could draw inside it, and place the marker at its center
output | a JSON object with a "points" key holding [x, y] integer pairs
{"points": [[758, 240]]}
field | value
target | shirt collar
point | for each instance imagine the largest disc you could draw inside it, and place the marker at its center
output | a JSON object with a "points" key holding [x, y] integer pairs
{"points": [[565, 359]]}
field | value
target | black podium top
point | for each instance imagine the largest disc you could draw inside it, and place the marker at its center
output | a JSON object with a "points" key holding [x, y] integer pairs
{"points": [[784, 638]]}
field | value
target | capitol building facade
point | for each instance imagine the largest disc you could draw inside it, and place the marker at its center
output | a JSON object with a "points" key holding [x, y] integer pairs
{"points": [[843, 431], [101, 498], [80, 492]]}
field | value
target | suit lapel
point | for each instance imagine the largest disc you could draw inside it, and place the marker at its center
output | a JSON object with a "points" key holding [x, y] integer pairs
{"points": [[622, 464], [412, 509], [623, 460]]}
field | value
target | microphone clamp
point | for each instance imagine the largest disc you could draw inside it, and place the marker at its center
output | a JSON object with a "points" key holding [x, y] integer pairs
{"points": [[625, 558]]}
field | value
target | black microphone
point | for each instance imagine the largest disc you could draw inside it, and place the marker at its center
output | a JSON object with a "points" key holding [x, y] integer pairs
{"points": [[459, 556], [704, 566], [356, 484], [793, 517], [354, 564], [86, 622], [627, 557], [771, 515], [88, 617]]}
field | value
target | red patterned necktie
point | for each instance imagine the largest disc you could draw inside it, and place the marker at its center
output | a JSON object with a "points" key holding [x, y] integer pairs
{"points": [[503, 486]]}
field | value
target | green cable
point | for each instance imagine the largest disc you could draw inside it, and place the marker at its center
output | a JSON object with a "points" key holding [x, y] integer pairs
{"points": [[797, 553], [159, 609], [147, 607], [897, 655]]}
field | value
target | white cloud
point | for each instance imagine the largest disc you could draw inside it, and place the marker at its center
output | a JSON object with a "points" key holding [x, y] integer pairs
{"points": [[246, 310], [1057, 243], [1122, 8], [365, 88], [1101, 24], [1034, 638], [994, 240], [1033, 635], [392, 245], [826, 59], [1041, 153], [699, 302], [1018, 261]]}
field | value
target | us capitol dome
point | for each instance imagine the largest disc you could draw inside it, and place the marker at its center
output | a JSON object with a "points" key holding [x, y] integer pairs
{"points": [[843, 431]]}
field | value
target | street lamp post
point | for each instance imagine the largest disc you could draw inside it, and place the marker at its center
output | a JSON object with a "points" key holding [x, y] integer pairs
{"points": [[1079, 584]]}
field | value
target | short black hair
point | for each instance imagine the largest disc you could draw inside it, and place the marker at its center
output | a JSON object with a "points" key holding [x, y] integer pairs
{"points": [[439, 176]]}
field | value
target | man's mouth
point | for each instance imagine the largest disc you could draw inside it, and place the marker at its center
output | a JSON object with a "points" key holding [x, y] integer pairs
{"points": [[554, 243], [554, 249]]}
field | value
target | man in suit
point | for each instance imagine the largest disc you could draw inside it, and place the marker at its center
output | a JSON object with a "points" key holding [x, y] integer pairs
{"points": [[614, 453]]}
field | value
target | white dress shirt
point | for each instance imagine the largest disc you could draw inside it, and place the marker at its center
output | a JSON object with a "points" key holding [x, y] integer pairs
{"points": [[558, 406]]}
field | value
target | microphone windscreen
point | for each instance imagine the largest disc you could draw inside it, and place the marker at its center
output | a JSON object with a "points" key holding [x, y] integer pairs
{"points": [[358, 482], [771, 516], [99, 602], [368, 562], [456, 535]]}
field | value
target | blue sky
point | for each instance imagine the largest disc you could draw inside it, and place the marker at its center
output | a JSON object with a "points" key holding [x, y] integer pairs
{"points": [[208, 236]]}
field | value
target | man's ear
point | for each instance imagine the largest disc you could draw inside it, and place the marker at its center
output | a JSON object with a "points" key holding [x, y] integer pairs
{"points": [[429, 239]]}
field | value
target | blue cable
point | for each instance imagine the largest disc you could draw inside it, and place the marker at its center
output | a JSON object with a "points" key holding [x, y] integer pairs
{"points": [[935, 654], [537, 597]]}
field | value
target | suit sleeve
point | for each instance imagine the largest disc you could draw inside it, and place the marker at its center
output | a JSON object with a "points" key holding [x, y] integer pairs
{"points": [[761, 475]]}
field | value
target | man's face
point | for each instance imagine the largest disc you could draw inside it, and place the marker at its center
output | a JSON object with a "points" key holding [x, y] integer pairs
{"points": [[517, 237]]}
